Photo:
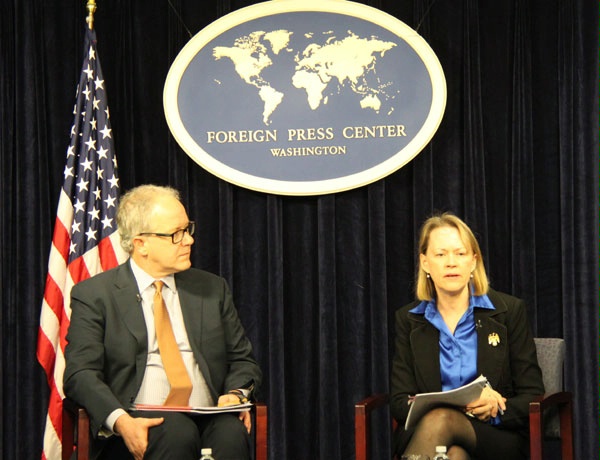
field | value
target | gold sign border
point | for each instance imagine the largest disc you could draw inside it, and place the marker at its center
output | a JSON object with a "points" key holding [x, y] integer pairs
{"points": [[261, 184]]}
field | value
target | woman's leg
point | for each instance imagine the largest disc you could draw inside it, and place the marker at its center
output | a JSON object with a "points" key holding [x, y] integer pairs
{"points": [[443, 427]]}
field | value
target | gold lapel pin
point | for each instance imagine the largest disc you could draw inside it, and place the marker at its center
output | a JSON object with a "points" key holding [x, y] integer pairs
{"points": [[493, 339]]}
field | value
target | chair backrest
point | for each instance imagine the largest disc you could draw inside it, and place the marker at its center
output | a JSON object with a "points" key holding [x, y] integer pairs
{"points": [[551, 358]]}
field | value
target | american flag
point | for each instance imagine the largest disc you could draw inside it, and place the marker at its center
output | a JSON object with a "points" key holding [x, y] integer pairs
{"points": [[85, 241]]}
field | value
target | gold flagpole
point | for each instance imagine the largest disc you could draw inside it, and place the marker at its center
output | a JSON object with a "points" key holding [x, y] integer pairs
{"points": [[91, 9]]}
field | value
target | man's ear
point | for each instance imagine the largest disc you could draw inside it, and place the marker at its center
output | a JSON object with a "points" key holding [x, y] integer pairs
{"points": [[139, 246]]}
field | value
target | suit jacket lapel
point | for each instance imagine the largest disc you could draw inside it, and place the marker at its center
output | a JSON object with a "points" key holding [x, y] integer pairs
{"points": [[192, 311], [492, 340], [426, 350], [128, 302]]}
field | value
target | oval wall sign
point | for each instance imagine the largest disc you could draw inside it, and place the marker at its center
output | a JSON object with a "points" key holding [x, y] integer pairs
{"points": [[304, 97]]}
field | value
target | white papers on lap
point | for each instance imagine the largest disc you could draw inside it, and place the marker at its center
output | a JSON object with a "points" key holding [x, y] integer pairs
{"points": [[195, 410], [459, 397]]}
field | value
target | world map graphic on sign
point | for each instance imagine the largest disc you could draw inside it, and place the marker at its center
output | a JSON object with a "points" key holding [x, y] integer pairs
{"points": [[303, 98], [322, 69]]}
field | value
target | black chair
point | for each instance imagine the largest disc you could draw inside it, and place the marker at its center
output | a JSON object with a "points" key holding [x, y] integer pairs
{"points": [[76, 431], [550, 416]]}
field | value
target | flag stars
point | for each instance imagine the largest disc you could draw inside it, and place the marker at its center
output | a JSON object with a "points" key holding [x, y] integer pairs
{"points": [[79, 206], [87, 165], [99, 84], [94, 214], [68, 172], [91, 143], [89, 72], [91, 234], [97, 193], [102, 153], [87, 92], [106, 132], [113, 181], [93, 123], [100, 173], [95, 103], [107, 222], [72, 248], [110, 202], [92, 53], [76, 226], [82, 185]]}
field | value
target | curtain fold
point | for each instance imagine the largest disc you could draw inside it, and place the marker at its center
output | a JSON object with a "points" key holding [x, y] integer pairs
{"points": [[317, 280], [522, 170], [473, 149]]}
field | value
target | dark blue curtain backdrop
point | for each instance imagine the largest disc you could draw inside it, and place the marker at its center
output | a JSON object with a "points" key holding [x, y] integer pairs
{"points": [[317, 279]]}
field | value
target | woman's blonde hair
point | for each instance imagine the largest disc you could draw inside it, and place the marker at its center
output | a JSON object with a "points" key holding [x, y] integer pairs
{"points": [[425, 289], [135, 210]]}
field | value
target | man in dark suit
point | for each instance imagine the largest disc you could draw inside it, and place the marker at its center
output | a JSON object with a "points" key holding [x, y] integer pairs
{"points": [[113, 360]]}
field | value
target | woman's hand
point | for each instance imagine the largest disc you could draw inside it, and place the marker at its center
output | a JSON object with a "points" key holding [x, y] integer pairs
{"points": [[488, 405]]}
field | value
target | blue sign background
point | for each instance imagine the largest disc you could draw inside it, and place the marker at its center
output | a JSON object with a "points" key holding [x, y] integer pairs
{"points": [[212, 97]]}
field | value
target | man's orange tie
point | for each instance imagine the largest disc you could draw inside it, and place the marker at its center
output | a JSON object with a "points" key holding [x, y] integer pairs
{"points": [[181, 385]]}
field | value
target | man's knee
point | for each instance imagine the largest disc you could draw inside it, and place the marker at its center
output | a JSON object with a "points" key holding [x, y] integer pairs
{"points": [[177, 437], [227, 436]]}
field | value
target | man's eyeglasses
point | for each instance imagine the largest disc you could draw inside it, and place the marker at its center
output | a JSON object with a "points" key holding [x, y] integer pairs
{"points": [[178, 235]]}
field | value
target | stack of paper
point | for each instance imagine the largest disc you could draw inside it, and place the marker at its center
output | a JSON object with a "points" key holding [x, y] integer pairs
{"points": [[459, 397]]}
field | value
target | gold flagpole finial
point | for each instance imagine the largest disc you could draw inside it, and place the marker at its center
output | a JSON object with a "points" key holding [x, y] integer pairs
{"points": [[91, 9]]}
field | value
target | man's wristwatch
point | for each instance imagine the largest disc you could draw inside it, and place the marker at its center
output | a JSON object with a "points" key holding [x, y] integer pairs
{"points": [[243, 399]]}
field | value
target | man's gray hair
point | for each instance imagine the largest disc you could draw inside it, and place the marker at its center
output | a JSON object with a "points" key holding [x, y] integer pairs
{"points": [[135, 208]]}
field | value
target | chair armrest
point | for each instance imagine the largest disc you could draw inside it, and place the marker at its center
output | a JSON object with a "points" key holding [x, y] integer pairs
{"points": [[552, 400], [370, 403], [75, 430], [261, 424], [362, 422], [563, 401]]}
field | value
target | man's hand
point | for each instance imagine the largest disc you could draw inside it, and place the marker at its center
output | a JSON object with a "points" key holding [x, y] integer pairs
{"points": [[228, 400], [231, 400], [246, 420], [134, 432]]}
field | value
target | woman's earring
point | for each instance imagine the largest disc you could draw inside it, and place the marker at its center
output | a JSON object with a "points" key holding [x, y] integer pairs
{"points": [[429, 276], [471, 275]]}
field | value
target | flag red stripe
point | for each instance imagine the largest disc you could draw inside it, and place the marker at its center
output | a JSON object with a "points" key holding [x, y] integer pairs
{"points": [[61, 238], [55, 409], [64, 327], [108, 257], [78, 270], [54, 296], [46, 355]]}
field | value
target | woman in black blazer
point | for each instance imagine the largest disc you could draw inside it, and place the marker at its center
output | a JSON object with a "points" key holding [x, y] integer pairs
{"points": [[457, 330]]}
